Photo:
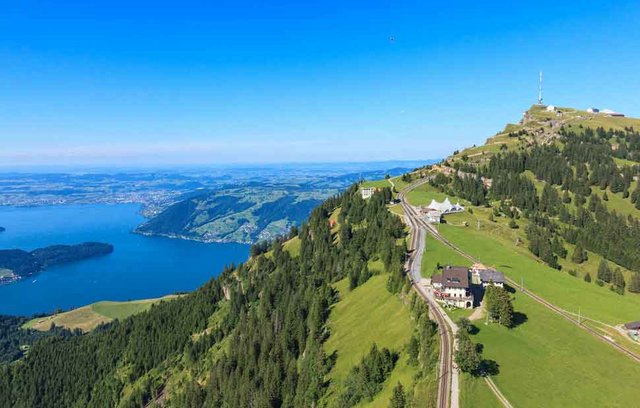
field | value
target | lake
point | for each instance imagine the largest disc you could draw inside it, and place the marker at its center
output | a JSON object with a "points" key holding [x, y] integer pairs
{"points": [[140, 266]]}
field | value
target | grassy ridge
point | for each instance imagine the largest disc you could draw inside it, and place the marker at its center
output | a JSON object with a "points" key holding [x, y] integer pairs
{"points": [[88, 317], [545, 361]]}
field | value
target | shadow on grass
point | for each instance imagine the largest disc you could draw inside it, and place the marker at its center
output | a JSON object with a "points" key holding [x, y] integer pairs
{"points": [[519, 318], [509, 289]]}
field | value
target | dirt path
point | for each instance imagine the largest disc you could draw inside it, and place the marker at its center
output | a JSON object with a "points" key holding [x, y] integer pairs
{"points": [[478, 313]]}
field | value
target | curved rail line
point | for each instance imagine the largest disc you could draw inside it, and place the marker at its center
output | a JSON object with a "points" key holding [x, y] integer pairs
{"points": [[567, 315], [446, 338]]}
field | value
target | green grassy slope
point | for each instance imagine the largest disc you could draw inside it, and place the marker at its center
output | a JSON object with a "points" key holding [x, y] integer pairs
{"points": [[547, 361], [436, 252], [89, 317], [494, 244], [475, 393], [557, 287], [368, 314], [564, 365]]}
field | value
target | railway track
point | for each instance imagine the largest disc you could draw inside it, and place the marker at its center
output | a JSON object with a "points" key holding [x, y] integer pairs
{"points": [[565, 314], [445, 365]]}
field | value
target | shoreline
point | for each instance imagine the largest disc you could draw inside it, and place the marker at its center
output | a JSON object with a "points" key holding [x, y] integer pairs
{"points": [[188, 238]]}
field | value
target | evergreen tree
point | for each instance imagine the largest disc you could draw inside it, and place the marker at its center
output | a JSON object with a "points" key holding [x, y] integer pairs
{"points": [[398, 398], [587, 277], [558, 248], [464, 324], [618, 281], [604, 273], [634, 284], [579, 254]]}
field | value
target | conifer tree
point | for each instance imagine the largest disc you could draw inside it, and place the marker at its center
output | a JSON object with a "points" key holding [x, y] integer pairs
{"points": [[634, 284], [618, 281], [579, 254], [398, 398], [604, 273]]}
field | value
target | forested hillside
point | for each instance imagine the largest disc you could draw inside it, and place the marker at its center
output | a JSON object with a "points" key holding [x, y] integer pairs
{"points": [[238, 216], [252, 337], [16, 263], [15, 341], [576, 186], [260, 205]]}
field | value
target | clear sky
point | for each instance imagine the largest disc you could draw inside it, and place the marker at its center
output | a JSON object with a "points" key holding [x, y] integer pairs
{"points": [[127, 82]]}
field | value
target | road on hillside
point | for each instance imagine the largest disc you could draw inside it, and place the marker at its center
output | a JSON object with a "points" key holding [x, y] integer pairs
{"points": [[448, 376], [417, 222]]}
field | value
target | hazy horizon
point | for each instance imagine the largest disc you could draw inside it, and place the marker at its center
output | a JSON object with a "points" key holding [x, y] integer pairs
{"points": [[191, 83], [194, 167]]}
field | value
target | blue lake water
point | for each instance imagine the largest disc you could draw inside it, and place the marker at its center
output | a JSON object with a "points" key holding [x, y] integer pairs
{"points": [[140, 266]]}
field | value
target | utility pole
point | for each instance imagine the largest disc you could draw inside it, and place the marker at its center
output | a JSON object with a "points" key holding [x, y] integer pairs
{"points": [[578, 314]]}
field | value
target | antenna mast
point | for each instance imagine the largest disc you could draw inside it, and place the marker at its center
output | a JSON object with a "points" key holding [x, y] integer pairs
{"points": [[540, 89]]}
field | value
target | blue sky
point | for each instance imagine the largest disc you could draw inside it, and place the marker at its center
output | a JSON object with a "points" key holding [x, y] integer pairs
{"points": [[116, 82]]}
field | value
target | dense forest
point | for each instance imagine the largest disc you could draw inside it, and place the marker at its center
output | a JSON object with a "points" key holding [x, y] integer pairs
{"points": [[15, 341], [251, 337]]}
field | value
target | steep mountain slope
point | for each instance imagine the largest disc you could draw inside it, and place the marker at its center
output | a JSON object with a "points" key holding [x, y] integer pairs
{"points": [[252, 337]]}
